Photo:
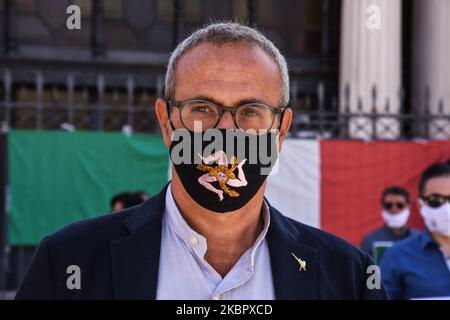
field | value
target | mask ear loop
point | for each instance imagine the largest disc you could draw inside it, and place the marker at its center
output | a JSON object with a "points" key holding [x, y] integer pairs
{"points": [[169, 112], [279, 127], [281, 119]]}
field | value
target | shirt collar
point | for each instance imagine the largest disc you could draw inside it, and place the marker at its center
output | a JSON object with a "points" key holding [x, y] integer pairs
{"points": [[426, 239], [405, 230], [195, 240]]}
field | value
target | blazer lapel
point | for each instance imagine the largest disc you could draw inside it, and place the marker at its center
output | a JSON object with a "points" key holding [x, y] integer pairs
{"points": [[291, 280], [135, 257]]}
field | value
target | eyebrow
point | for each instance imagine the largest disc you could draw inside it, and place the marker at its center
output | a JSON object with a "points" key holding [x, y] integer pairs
{"points": [[239, 103]]}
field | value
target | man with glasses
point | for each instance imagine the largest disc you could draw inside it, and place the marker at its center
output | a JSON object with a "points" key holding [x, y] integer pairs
{"points": [[395, 213], [419, 267], [210, 233]]}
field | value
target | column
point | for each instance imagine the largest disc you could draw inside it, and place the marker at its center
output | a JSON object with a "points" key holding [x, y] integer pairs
{"points": [[371, 58], [431, 67]]}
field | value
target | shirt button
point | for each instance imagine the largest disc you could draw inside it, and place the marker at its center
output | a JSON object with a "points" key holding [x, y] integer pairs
{"points": [[194, 240]]}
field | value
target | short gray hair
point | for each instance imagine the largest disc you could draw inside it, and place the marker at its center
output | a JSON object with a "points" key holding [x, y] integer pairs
{"points": [[228, 32]]}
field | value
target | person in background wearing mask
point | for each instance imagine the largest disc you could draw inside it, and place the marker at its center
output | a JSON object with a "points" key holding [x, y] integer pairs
{"points": [[395, 213], [209, 233], [419, 266]]}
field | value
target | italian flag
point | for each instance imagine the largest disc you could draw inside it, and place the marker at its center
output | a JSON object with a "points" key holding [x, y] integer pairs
{"points": [[336, 185]]}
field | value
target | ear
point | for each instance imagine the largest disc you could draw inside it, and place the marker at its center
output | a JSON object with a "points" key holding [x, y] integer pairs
{"points": [[419, 203], [285, 125], [164, 121]]}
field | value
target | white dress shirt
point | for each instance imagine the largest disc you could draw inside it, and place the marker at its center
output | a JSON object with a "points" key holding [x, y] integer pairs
{"points": [[185, 274]]}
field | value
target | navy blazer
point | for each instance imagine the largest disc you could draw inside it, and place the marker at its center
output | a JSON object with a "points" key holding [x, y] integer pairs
{"points": [[118, 256]]}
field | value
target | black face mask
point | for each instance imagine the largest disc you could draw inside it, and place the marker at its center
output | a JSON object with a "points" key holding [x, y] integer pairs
{"points": [[231, 170]]}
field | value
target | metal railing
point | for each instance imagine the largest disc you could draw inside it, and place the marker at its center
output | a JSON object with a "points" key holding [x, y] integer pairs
{"points": [[42, 103], [36, 100], [115, 101], [314, 118], [98, 93]]}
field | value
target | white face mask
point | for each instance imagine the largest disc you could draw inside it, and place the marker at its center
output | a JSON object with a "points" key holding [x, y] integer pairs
{"points": [[396, 220], [437, 219]]}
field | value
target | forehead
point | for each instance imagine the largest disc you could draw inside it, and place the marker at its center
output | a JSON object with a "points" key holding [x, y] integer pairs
{"points": [[228, 71], [394, 197], [439, 185]]}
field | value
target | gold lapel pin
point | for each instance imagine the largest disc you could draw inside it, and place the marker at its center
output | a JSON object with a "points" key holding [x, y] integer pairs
{"points": [[302, 263]]}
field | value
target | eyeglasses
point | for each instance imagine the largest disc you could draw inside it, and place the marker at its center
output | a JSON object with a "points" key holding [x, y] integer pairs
{"points": [[390, 205], [257, 116], [436, 200]]}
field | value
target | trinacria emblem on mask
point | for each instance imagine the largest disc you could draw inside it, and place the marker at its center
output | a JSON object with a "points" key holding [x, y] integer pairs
{"points": [[222, 173]]}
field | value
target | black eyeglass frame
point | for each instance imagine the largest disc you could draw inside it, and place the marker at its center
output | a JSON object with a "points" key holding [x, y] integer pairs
{"points": [[428, 199], [222, 109], [390, 205]]}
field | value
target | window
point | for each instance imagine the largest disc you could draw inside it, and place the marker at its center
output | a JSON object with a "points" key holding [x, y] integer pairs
{"points": [[313, 14], [26, 6], [240, 10], [191, 10], [113, 8], [264, 14], [165, 10], [85, 6]]}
